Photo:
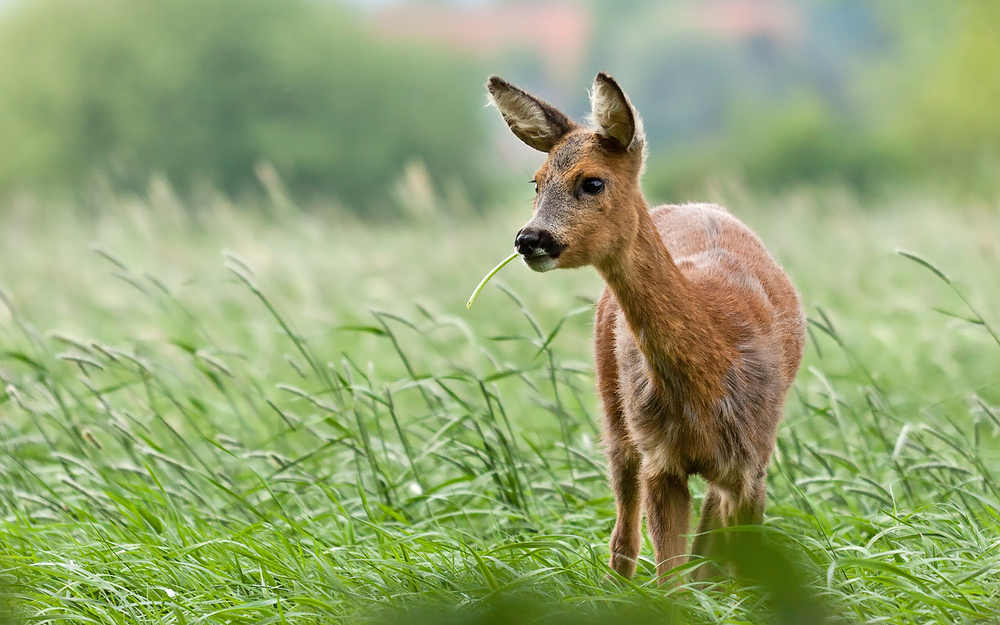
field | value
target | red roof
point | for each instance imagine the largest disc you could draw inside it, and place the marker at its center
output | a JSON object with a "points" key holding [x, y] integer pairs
{"points": [[558, 32]]}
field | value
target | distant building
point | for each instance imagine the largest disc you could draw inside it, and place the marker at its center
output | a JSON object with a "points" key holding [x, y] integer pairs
{"points": [[558, 32], [776, 20], [732, 40]]}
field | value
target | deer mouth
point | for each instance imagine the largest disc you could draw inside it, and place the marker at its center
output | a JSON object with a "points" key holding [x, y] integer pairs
{"points": [[541, 260]]}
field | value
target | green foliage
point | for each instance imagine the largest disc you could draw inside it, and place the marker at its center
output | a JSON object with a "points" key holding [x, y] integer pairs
{"points": [[804, 143], [921, 108], [948, 120], [280, 434], [207, 89], [800, 143]]}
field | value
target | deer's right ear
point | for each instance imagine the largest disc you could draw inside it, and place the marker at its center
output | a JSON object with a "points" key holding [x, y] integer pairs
{"points": [[533, 121]]}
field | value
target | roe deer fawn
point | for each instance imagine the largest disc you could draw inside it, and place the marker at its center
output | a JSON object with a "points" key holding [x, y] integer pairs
{"points": [[697, 336]]}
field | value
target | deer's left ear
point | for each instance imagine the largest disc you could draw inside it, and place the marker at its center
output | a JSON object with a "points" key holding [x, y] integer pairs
{"points": [[614, 115], [532, 120]]}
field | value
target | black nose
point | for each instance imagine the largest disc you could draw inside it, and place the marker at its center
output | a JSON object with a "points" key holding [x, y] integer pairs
{"points": [[535, 242], [526, 242]]}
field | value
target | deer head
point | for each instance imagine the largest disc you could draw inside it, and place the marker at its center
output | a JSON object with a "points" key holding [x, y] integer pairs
{"points": [[587, 191]]}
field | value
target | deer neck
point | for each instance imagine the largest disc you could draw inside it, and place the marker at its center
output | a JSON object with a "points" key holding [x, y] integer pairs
{"points": [[666, 315]]}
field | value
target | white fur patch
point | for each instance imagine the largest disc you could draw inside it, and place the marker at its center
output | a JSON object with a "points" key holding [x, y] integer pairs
{"points": [[541, 264], [659, 460]]}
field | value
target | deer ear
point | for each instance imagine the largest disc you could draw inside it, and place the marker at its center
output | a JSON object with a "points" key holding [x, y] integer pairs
{"points": [[614, 115], [533, 121]]}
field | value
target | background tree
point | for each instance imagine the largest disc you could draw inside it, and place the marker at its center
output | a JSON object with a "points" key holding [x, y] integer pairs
{"points": [[205, 89]]}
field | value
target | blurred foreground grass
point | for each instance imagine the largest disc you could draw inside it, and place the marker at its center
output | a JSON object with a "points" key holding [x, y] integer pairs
{"points": [[223, 416]]}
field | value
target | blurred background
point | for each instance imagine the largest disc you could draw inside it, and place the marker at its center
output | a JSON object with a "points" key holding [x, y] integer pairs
{"points": [[377, 107], [239, 381]]}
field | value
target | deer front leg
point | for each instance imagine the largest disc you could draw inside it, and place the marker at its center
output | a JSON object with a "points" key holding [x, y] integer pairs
{"points": [[623, 457], [667, 501], [626, 539]]}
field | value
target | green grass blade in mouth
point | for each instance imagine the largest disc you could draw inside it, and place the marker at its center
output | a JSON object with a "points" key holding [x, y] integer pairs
{"points": [[475, 294]]}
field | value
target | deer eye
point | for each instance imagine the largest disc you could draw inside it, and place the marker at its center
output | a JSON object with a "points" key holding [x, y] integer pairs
{"points": [[535, 182], [592, 186]]}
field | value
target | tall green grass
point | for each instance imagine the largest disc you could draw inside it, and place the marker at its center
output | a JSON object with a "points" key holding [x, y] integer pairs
{"points": [[220, 416]]}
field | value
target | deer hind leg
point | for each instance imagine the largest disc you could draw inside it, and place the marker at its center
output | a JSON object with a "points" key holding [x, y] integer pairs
{"points": [[748, 509], [727, 508], [748, 505], [667, 501], [709, 543]]}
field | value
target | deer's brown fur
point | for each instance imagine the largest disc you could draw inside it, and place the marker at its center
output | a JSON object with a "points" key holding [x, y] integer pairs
{"points": [[697, 336]]}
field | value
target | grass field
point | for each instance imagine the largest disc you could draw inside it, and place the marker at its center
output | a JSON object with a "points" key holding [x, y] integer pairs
{"points": [[241, 417]]}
